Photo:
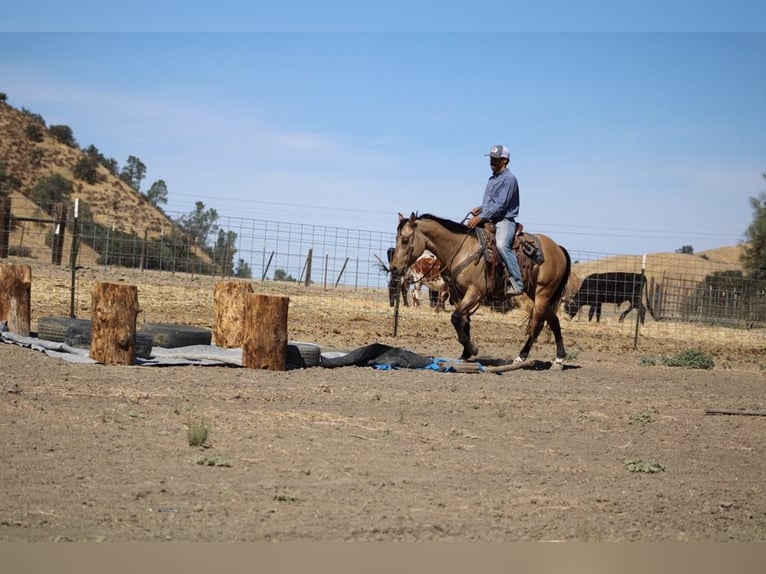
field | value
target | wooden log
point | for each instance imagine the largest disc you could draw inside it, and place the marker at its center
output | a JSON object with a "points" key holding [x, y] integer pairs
{"points": [[526, 364], [15, 297], [735, 413], [264, 338], [113, 323], [229, 298]]}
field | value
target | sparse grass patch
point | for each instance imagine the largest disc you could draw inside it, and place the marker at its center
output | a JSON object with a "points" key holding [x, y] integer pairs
{"points": [[643, 417], [572, 354], [648, 466], [690, 359]]}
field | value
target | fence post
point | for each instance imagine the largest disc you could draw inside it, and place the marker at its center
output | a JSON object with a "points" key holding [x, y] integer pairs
{"points": [[266, 269], [640, 300], [5, 225], [73, 257], [59, 225], [342, 269], [309, 259]]}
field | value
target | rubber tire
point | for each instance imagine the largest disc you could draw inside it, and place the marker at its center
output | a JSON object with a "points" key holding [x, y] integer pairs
{"points": [[170, 335], [80, 337], [56, 328], [302, 355]]}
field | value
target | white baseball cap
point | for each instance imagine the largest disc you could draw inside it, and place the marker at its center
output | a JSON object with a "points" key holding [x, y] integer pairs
{"points": [[499, 151]]}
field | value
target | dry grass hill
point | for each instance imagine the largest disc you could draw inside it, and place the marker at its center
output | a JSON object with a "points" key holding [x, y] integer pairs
{"points": [[112, 201], [690, 266]]}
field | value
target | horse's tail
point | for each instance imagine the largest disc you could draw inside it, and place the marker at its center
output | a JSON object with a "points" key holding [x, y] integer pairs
{"points": [[558, 294]]}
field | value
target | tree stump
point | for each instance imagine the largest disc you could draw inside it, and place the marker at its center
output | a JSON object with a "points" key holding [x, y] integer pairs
{"points": [[264, 337], [15, 297], [230, 299], [113, 323]]}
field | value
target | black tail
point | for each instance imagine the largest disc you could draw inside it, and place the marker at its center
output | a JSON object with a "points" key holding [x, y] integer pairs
{"points": [[563, 283], [649, 300]]}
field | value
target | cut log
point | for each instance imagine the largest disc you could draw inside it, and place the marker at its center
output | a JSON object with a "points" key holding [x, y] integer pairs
{"points": [[113, 323], [229, 298], [15, 297], [264, 337]]}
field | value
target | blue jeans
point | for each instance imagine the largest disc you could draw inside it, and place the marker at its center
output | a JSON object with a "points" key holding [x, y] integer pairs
{"points": [[504, 233]]}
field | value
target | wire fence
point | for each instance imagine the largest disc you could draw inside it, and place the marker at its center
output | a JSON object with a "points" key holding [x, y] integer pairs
{"points": [[680, 289]]}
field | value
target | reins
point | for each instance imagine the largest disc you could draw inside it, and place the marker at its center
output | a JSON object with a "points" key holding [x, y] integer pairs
{"points": [[472, 259]]}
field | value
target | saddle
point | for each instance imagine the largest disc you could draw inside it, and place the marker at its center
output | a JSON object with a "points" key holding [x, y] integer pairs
{"points": [[526, 246], [524, 243]]}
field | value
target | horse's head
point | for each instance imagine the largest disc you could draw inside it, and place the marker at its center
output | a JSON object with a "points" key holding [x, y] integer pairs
{"points": [[410, 245]]}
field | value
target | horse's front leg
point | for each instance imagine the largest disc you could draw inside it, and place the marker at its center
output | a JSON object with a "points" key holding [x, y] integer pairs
{"points": [[461, 320]]}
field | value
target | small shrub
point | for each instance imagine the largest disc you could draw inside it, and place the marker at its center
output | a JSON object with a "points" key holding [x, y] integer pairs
{"points": [[647, 362], [213, 461], [648, 466], [690, 359], [197, 432]]}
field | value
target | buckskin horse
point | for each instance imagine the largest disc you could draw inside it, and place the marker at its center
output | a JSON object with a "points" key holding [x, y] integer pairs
{"points": [[473, 278]]}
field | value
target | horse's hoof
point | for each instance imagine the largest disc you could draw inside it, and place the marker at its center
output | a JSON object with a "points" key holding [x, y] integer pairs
{"points": [[558, 365]]}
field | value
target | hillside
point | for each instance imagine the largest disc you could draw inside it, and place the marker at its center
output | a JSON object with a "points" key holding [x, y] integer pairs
{"points": [[112, 202], [658, 265]]}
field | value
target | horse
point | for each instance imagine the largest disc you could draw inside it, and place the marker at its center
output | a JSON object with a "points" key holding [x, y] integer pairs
{"points": [[474, 278], [426, 271]]}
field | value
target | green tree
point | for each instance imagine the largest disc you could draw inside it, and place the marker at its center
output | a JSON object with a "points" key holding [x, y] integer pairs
{"points": [[8, 183], [158, 193], [109, 163], [281, 275], [35, 132], [133, 172], [3, 97], [63, 134], [754, 254], [686, 249], [52, 190], [199, 224], [86, 169], [243, 270], [223, 252]]}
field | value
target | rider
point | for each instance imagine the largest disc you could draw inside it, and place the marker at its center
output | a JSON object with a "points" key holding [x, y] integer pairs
{"points": [[500, 205]]}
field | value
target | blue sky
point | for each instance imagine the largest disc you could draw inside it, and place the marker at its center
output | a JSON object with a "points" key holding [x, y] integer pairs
{"points": [[635, 136]]}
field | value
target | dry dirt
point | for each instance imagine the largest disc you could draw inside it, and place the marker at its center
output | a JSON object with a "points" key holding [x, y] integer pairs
{"points": [[92, 452]]}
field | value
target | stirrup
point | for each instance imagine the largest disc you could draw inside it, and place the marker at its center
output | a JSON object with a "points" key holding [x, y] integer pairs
{"points": [[513, 289]]}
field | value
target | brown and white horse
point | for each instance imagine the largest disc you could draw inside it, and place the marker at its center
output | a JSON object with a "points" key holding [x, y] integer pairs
{"points": [[472, 280], [427, 272]]}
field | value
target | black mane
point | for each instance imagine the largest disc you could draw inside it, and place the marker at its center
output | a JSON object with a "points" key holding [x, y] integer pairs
{"points": [[452, 226]]}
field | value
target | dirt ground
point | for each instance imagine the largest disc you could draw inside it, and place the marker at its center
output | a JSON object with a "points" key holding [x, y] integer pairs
{"points": [[101, 453]]}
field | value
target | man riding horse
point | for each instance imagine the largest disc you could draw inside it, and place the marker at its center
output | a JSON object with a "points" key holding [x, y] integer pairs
{"points": [[500, 206]]}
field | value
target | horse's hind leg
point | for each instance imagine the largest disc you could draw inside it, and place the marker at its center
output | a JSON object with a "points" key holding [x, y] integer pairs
{"points": [[536, 325], [561, 352]]}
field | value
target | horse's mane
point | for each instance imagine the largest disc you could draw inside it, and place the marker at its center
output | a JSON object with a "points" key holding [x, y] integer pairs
{"points": [[452, 226]]}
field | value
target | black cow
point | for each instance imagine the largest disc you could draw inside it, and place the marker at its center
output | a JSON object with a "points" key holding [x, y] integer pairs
{"points": [[612, 287]]}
